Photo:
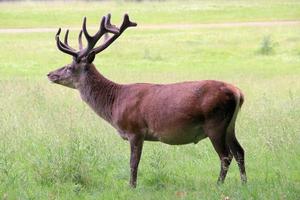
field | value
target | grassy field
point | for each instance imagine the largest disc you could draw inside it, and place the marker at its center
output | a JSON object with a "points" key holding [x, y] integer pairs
{"points": [[41, 14], [52, 146]]}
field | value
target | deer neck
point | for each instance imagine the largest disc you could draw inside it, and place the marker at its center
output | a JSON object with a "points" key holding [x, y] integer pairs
{"points": [[99, 93]]}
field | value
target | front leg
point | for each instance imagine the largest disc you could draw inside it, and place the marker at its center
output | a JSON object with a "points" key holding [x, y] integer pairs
{"points": [[136, 146]]}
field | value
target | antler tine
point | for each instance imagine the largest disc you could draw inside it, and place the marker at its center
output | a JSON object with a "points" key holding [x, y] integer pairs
{"points": [[109, 27], [66, 44], [101, 30], [105, 26], [66, 37], [86, 34], [125, 24], [80, 40], [91, 40], [62, 47]]}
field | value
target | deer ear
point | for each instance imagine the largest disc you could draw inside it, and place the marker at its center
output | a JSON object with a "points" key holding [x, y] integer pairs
{"points": [[90, 57]]}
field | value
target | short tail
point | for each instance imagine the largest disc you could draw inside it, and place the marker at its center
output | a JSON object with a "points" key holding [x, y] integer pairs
{"points": [[239, 99], [235, 147]]}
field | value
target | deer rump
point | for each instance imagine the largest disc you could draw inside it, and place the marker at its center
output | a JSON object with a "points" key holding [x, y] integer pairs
{"points": [[174, 113]]}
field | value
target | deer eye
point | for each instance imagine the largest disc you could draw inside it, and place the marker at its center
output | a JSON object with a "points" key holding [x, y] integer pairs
{"points": [[69, 69]]}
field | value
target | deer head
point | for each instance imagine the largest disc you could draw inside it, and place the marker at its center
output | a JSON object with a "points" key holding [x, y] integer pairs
{"points": [[70, 75]]}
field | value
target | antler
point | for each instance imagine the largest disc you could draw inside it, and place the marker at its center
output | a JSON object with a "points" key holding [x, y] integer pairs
{"points": [[64, 47], [105, 27], [80, 40], [66, 40], [126, 24]]}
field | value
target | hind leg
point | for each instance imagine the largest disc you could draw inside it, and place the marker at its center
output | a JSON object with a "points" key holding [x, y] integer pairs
{"points": [[225, 159], [238, 153], [219, 143]]}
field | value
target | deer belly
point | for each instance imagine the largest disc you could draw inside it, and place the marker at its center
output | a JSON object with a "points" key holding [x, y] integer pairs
{"points": [[179, 136]]}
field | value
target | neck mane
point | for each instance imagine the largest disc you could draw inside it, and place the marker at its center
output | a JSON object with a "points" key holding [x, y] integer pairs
{"points": [[99, 92]]}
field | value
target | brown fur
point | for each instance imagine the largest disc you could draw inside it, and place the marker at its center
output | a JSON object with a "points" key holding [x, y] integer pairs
{"points": [[176, 114]]}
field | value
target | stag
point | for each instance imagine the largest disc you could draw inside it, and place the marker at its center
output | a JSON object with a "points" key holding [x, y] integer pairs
{"points": [[175, 114]]}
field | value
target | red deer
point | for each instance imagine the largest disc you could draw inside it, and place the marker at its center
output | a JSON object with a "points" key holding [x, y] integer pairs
{"points": [[175, 114]]}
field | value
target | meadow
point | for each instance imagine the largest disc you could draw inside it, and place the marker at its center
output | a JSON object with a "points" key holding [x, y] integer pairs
{"points": [[52, 145]]}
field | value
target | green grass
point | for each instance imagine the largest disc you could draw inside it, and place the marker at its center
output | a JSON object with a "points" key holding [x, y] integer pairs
{"points": [[41, 14], [53, 146]]}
